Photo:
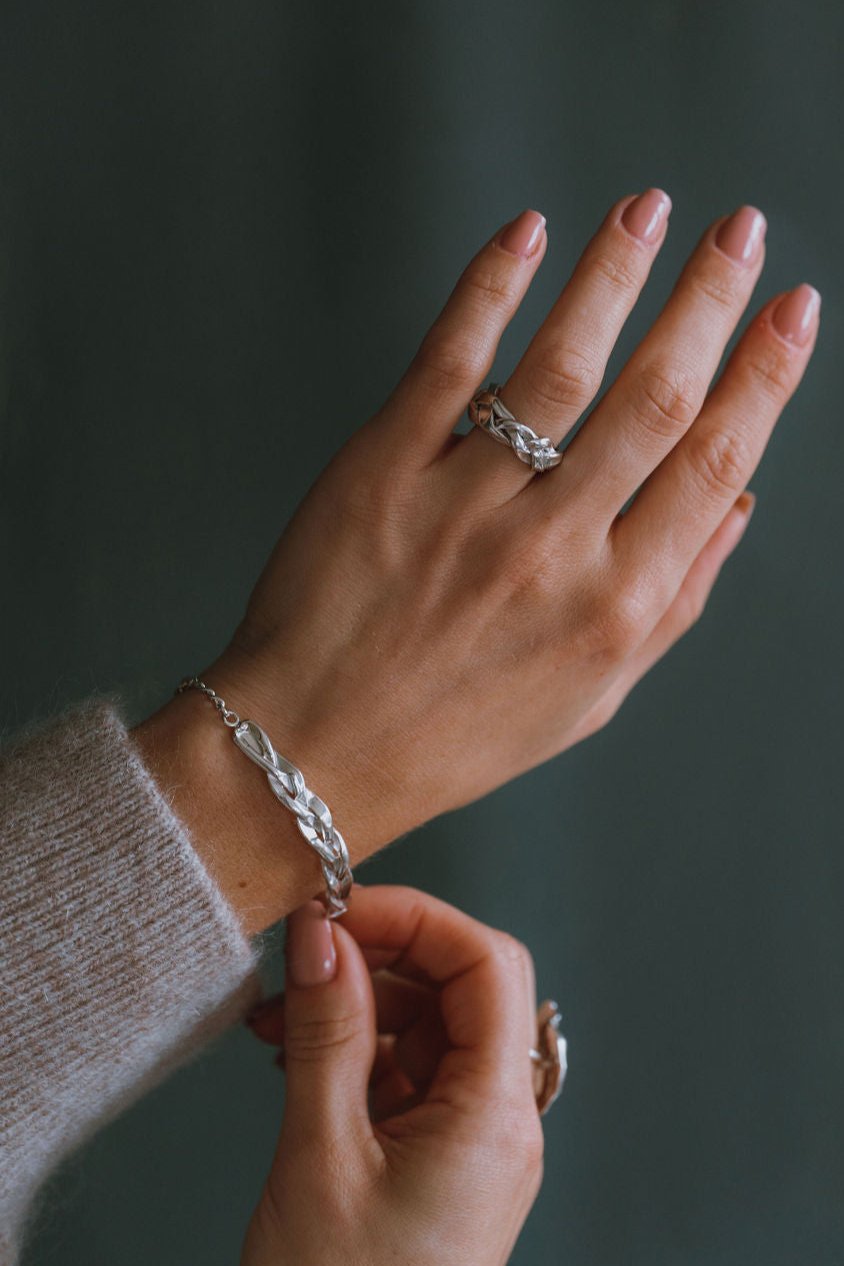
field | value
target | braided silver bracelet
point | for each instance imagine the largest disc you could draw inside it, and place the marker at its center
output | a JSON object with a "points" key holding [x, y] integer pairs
{"points": [[287, 784]]}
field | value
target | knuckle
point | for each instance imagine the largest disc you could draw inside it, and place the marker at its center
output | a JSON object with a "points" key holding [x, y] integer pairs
{"points": [[312, 1040], [616, 269], [533, 1147], [513, 953], [619, 621], [716, 286], [488, 286], [666, 401], [521, 1139], [451, 363], [564, 377], [720, 462], [771, 372]]}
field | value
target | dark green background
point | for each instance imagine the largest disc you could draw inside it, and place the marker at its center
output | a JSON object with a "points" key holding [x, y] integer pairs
{"points": [[223, 229]]}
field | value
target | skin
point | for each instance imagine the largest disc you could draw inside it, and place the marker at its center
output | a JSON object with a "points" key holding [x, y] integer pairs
{"points": [[435, 620], [410, 1129]]}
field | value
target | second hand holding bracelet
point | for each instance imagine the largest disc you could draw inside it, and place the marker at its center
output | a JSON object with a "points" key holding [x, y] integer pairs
{"points": [[287, 783]]}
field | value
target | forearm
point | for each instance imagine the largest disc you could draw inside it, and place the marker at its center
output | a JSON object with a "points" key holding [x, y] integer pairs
{"points": [[120, 958]]}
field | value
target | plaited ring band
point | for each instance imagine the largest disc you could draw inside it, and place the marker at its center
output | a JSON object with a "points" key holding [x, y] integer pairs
{"points": [[487, 410], [549, 1056]]}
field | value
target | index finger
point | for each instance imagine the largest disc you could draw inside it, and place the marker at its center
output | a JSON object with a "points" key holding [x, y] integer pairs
{"points": [[485, 977]]}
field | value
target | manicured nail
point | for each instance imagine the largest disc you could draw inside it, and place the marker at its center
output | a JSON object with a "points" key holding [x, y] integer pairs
{"points": [[737, 521], [309, 946], [644, 216], [523, 235], [796, 314], [742, 235], [746, 504]]}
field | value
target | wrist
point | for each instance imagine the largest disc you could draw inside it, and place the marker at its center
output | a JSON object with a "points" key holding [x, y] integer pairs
{"points": [[247, 841]]}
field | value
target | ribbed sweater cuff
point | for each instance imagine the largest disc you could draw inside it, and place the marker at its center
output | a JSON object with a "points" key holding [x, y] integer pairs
{"points": [[120, 956]]}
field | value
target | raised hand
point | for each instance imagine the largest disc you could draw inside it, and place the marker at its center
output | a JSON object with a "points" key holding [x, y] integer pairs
{"points": [[437, 618]]}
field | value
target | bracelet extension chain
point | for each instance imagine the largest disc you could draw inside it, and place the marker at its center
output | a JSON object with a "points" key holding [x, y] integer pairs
{"points": [[287, 783]]}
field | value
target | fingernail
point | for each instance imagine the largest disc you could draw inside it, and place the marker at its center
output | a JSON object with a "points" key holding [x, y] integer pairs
{"points": [[309, 946], [523, 235], [644, 216], [746, 504], [737, 523], [796, 314], [742, 235]]}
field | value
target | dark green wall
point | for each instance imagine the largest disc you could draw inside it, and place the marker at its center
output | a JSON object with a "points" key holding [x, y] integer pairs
{"points": [[223, 230]]}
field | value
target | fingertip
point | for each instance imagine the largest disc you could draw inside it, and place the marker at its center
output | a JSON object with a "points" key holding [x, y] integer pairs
{"points": [[523, 236], [309, 951]]}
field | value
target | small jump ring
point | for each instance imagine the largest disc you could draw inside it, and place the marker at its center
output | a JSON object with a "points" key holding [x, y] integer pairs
{"points": [[487, 410]]}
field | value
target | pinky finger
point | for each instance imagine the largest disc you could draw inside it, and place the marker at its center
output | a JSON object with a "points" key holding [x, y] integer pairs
{"points": [[685, 610]]}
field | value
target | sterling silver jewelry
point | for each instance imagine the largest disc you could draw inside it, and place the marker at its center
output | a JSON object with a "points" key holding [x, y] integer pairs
{"points": [[549, 1057], [287, 783], [487, 410]]}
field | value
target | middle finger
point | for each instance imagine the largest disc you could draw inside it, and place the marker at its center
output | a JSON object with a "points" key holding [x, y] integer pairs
{"points": [[660, 391], [561, 370]]}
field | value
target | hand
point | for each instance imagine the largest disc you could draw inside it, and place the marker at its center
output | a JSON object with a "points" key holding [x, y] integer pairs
{"points": [[436, 618], [410, 1126]]}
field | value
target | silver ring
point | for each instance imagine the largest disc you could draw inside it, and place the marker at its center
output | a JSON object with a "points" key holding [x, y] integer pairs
{"points": [[549, 1057], [487, 411]]}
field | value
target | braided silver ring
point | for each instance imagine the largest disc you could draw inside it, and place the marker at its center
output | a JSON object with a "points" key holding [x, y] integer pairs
{"points": [[487, 410], [549, 1056]]}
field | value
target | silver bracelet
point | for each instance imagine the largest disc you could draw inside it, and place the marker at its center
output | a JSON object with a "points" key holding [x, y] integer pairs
{"points": [[287, 784]]}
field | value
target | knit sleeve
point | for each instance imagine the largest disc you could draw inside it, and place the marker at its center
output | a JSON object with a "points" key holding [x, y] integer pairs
{"points": [[119, 956]]}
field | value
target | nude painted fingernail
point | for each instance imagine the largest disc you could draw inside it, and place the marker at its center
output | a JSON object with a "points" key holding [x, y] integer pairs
{"points": [[523, 235], [737, 522], [742, 235], [746, 504], [309, 946], [796, 314], [645, 215]]}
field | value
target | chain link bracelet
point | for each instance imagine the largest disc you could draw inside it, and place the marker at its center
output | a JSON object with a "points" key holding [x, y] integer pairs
{"points": [[287, 784]]}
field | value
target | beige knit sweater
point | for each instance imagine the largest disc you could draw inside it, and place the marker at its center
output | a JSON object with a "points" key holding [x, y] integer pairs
{"points": [[112, 934]]}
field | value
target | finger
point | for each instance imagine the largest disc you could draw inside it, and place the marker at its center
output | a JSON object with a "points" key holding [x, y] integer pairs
{"points": [[457, 352], [399, 1004], [686, 497], [393, 1094], [685, 610], [692, 596], [329, 1033], [410, 1028], [383, 1064], [486, 982], [561, 371], [402, 1003], [419, 1050], [266, 1020], [411, 1033], [662, 388]]}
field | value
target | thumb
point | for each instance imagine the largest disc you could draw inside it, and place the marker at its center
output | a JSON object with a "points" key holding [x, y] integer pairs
{"points": [[329, 1030]]}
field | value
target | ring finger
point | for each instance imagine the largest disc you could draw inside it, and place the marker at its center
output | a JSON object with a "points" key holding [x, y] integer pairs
{"points": [[660, 391], [561, 371]]}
